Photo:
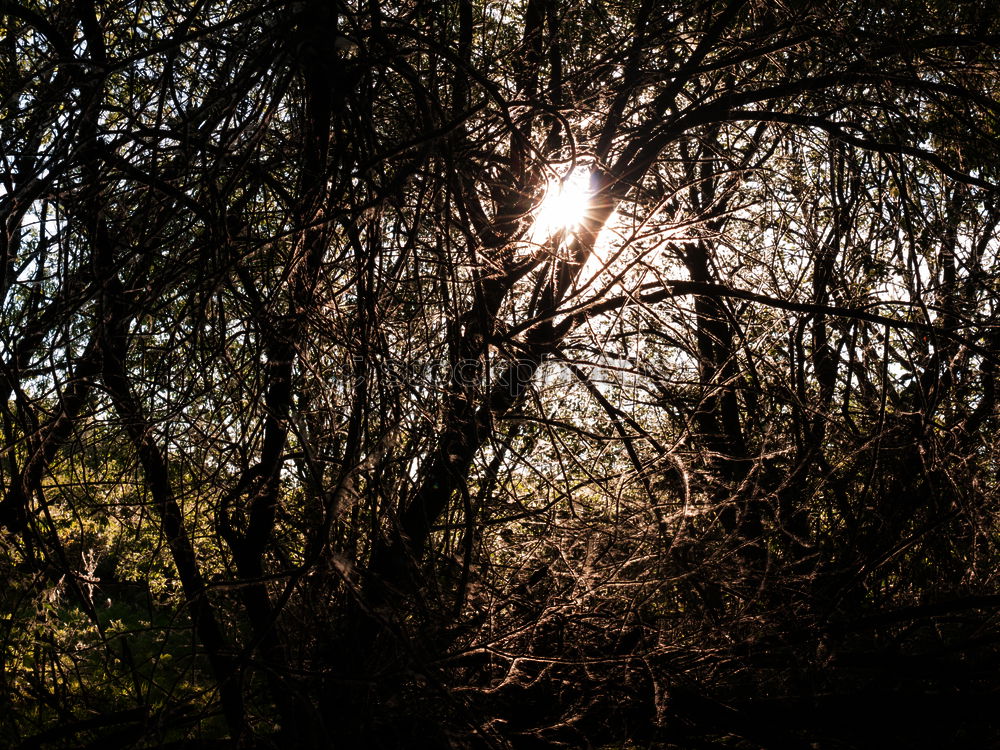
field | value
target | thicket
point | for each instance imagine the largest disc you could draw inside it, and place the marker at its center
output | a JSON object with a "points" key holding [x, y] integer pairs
{"points": [[315, 435]]}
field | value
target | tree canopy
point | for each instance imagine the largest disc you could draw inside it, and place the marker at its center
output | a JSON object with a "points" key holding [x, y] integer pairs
{"points": [[499, 374]]}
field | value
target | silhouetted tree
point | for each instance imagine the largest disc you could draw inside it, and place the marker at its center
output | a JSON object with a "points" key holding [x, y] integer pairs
{"points": [[323, 428]]}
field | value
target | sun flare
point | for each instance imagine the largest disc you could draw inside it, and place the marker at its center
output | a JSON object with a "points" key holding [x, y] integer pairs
{"points": [[564, 206]]}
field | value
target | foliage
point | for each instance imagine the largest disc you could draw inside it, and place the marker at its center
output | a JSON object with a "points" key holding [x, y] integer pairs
{"points": [[312, 439]]}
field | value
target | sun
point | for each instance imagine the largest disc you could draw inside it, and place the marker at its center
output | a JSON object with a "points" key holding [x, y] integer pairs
{"points": [[564, 206]]}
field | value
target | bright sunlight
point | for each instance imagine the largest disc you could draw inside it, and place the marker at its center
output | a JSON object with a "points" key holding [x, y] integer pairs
{"points": [[564, 205]]}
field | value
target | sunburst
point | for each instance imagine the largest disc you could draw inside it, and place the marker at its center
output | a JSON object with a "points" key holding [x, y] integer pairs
{"points": [[564, 206]]}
